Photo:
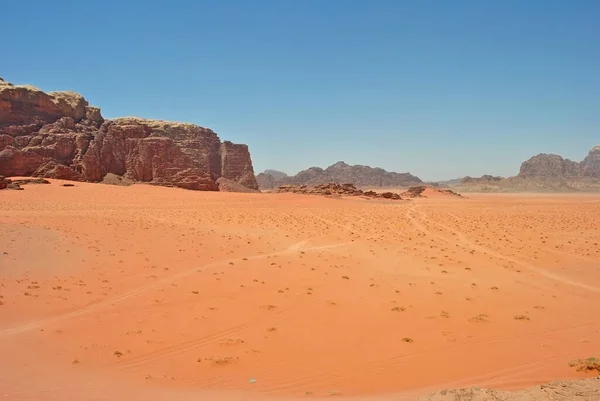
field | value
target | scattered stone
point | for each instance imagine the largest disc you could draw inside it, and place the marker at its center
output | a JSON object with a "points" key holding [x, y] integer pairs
{"points": [[7, 183], [558, 390]]}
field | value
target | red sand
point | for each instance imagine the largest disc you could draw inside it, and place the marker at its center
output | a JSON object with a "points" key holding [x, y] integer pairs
{"points": [[157, 292]]}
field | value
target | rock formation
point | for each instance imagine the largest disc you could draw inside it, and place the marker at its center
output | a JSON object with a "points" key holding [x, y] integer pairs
{"points": [[7, 183], [340, 172], [550, 172], [337, 190], [548, 166], [544, 166], [591, 164], [543, 173], [58, 135], [422, 191], [226, 185]]}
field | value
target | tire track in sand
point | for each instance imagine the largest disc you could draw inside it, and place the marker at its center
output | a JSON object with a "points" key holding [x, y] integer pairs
{"points": [[25, 327], [194, 344], [466, 241], [547, 250]]}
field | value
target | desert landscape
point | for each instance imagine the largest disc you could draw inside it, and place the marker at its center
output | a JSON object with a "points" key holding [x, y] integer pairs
{"points": [[140, 261], [147, 292], [300, 200]]}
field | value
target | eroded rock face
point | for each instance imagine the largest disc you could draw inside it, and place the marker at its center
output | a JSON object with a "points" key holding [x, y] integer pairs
{"points": [[58, 135], [549, 166], [554, 166], [591, 164], [25, 105]]}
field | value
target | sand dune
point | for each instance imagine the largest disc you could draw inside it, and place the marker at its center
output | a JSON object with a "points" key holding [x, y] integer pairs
{"points": [[145, 292]]}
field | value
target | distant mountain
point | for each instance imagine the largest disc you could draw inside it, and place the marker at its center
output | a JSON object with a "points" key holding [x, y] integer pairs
{"points": [[486, 179], [340, 172], [278, 175], [591, 163], [447, 183], [544, 172]]}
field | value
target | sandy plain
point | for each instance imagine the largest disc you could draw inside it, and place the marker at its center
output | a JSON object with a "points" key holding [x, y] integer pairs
{"points": [[149, 293]]}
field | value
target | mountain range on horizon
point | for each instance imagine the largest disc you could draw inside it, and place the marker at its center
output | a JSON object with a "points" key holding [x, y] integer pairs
{"points": [[542, 172], [339, 172]]}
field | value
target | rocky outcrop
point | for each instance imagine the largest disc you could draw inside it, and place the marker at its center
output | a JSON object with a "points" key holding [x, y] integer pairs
{"points": [[422, 191], [544, 166], [549, 172], [340, 172], [236, 164], [226, 185], [543, 173], [415, 192], [337, 190], [7, 183], [548, 166], [26, 105], [591, 164], [58, 135]]}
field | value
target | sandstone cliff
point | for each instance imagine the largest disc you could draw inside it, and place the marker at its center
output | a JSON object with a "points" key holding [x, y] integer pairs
{"points": [[340, 172], [58, 135]]}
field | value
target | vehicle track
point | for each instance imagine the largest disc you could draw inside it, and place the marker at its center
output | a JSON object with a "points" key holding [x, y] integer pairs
{"points": [[197, 343], [547, 250], [382, 365], [466, 241], [25, 327]]}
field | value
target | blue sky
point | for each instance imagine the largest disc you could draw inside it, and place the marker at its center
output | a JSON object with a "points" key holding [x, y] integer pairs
{"points": [[441, 89]]}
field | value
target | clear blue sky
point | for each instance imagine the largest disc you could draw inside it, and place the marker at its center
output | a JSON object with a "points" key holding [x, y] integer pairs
{"points": [[441, 89]]}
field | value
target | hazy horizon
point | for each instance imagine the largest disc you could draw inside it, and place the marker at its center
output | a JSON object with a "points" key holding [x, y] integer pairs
{"points": [[428, 180], [438, 89]]}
